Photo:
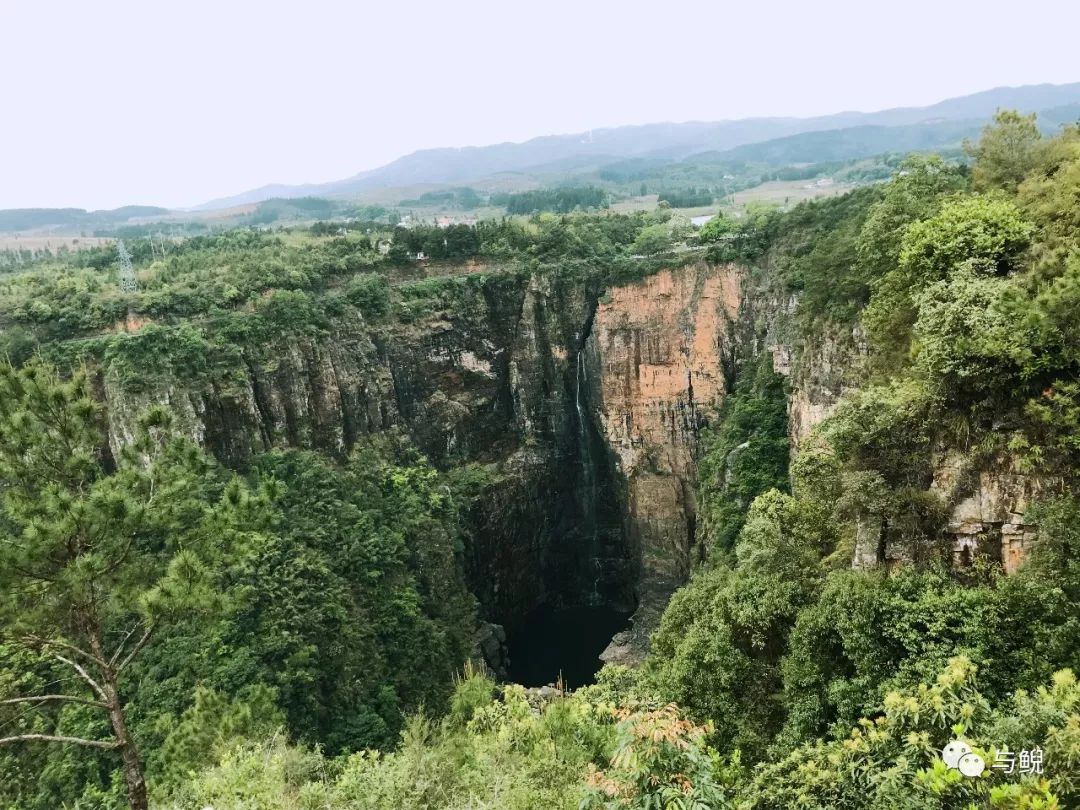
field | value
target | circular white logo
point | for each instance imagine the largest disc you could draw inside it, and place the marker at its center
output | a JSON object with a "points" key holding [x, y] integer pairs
{"points": [[952, 752], [971, 765]]}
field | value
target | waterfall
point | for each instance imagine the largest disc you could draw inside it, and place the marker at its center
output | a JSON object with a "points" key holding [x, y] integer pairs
{"points": [[588, 493], [577, 392], [585, 449]]}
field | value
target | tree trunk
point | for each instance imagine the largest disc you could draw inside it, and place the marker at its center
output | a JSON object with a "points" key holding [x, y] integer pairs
{"points": [[133, 770]]}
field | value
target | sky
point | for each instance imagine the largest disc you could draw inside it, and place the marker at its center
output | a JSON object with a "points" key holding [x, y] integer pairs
{"points": [[109, 103]]}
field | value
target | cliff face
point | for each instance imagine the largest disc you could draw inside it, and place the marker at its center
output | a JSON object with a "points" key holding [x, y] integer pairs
{"points": [[660, 348], [584, 406], [820, 374], [475, 372], [987, 501], [321, 393], [990, 508]]}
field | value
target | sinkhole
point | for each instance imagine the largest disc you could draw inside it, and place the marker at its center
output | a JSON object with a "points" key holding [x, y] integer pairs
{"points": [[589, 564], [563, 641]]}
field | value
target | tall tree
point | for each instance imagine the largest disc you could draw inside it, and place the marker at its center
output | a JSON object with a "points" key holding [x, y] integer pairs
{"points": [[95, 557], [1006, 152]]}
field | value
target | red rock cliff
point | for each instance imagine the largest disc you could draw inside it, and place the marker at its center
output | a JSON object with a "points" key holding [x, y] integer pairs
{"points": [[659, 345]]}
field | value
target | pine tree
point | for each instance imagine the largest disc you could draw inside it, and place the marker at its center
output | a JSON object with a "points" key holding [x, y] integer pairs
{"points": [[96, 557]]}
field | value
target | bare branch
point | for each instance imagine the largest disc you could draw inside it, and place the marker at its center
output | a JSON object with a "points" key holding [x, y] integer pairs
{"points": [[53, 698], [85, 676], [122, 644], [51, 642], [135, 650], [108, 746]]}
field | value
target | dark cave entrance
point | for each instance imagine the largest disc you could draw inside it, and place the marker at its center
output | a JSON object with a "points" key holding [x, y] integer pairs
{"points": [[553, 642]]}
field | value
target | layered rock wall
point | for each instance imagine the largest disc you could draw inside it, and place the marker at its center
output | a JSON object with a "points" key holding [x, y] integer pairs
{"points": [[990, 511], [585, 404], [986, 500], [659, 345]]}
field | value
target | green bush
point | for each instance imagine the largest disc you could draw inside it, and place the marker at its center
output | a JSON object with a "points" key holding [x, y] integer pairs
{"points": [[370, 293]]}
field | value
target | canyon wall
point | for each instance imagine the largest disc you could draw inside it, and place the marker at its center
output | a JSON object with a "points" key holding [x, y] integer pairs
{"points": [[660, 345], [660, 348], [473, 370], [987, 500], [582, 404], [990, 507]]}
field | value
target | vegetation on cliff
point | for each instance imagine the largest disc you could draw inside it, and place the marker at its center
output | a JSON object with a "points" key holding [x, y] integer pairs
{"points": [[324, 598], [959, 282], [745, 455], [292, 633]]}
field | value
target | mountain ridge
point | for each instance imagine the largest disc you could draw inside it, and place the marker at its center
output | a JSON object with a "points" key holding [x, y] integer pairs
{"points": [[663, 139]]}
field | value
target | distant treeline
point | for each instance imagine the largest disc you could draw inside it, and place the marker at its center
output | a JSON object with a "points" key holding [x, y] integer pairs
{"points": [[25, 219], [455, 241], [881, 167], [154, 229], [558, 200], [324, 228], [463, 198], [634, 169], [802, 172], [687, 198], [274, 209]]}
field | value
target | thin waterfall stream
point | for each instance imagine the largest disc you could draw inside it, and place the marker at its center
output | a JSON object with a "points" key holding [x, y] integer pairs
{"points": [[565, 639]]}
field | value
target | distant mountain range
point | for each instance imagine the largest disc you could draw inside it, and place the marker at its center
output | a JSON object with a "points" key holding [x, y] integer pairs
{"points": [[841, 136], [689, 150], [852, 143]]}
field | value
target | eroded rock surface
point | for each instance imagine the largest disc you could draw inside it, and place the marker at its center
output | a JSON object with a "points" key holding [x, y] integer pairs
{"points": [[659, 345], [584, 404], [990, 514]]}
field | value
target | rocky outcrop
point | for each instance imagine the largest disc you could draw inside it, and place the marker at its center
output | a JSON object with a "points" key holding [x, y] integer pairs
{"points": [[478, 372], [986, 501], [321, 393], [490, 651], [990, 508], [819, 374]]}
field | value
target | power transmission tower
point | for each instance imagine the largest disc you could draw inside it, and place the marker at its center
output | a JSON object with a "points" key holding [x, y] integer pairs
{"points": [[128, 283]]}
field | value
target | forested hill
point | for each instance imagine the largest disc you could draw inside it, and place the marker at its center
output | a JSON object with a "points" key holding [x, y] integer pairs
{"points": [[269, 511], [26, 219], [676, 142]]}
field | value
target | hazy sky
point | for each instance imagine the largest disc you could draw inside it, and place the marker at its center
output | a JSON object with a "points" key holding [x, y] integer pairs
{"points": [[173, 103]]}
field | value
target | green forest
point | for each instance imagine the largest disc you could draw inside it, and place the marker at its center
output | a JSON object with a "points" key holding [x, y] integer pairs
{"points": [[188, 621]]}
